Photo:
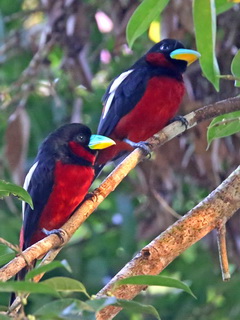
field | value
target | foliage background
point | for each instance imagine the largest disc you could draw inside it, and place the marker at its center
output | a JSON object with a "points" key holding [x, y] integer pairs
{"points": [[67, 84]]}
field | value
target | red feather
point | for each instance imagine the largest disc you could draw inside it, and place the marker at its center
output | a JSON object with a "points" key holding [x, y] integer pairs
{"points": [[71, 185], [158, 105]]}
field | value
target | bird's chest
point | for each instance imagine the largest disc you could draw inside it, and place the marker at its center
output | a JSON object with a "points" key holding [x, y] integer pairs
{"points": [[157, 106], [71, 183]]}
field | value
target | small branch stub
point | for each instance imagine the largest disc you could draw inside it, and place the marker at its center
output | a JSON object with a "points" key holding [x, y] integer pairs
{"points": [[222, 249]]}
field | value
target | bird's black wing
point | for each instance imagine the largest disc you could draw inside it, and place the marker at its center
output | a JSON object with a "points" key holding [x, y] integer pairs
{"points": [[39, 183], [122, 95]]}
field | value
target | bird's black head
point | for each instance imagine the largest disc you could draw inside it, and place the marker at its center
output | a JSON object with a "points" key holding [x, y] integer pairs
{"points": [[66, 143], [172, 54], [77, 132], [73, 143], [166, 46], [73, 132]]}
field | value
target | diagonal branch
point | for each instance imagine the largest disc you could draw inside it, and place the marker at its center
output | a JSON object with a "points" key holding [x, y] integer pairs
{"points": [[219, 206], [112, 181]]}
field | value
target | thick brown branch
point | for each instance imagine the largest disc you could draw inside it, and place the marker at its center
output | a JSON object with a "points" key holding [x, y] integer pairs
{"points": [[220, 205], [109, 184]]}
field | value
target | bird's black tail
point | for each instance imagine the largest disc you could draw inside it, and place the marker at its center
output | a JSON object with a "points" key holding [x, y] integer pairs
{"points": [[97, 170]]}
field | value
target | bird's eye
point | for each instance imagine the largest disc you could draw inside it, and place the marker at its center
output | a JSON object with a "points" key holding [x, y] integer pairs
{"points": [[164, 47], [81, 138]]}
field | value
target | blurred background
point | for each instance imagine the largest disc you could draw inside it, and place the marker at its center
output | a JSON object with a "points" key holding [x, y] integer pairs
{"points": [[56, 60]]}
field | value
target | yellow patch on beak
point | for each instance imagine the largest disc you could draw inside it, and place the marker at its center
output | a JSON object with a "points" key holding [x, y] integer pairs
{"points": [[186, 55], [98, 142]]}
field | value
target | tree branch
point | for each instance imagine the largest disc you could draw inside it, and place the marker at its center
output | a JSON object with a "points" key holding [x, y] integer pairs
{"points": [[219, 206], [111, 182]]}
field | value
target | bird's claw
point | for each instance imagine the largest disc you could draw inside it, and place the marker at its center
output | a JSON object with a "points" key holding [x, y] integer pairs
{"points": [[182, 119], [143, 145], [58, 232]]}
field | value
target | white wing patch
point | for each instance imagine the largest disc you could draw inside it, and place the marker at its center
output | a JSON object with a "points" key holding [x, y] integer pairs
{"points": [[26, 183], [113, 89]]}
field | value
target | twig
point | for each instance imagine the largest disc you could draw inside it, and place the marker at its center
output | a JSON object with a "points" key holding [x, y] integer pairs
{"points": [[229, 77], [222, 249], [225, 121], [34, 64], [162, 202], [10, 245]]}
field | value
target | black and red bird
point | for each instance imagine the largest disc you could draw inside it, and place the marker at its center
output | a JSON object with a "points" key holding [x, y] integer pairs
{"points": [[144, 98], [59, 180]]}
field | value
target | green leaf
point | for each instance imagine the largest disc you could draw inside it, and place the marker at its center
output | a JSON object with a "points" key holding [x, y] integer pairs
{"points": [[59, 308], [204, 16], [25, 286], [142, 17], [65, 284], [137, 307], [156, 281], [7, 188], [99, 304], [6, 258], [132, 306], [46, 268], [222, 6], [71, 307], [235, 68], [6, 254], [224, 126]]}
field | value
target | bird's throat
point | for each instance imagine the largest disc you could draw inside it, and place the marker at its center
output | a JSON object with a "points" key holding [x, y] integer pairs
{"points": [[158, 59], [81, 152]]}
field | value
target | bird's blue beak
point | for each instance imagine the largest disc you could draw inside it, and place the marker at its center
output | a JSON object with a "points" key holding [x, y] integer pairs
{"points": [[185, 54], [98, 142]]}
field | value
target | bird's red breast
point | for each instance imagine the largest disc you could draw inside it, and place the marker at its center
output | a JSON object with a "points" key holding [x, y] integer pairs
{"points": [[158, 105], [71, 184]]}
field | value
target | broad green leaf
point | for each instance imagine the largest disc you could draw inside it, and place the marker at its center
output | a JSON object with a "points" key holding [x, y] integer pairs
{"points": [[235, 68], [7, 188], [5, 249], [46, 268], [25, 286], [99, 304], [204, 16], [6, 254], [224, 126], [132, 306], [68, 307], [5, 258], [223, 5], [137, 307], [149, 280], [142, 17], [65, 284]]}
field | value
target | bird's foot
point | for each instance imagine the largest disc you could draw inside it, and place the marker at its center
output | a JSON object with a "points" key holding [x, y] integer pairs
{"points": [[182, 119], [143, 145], [88, 196], [59, 232], [91, 196]]}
